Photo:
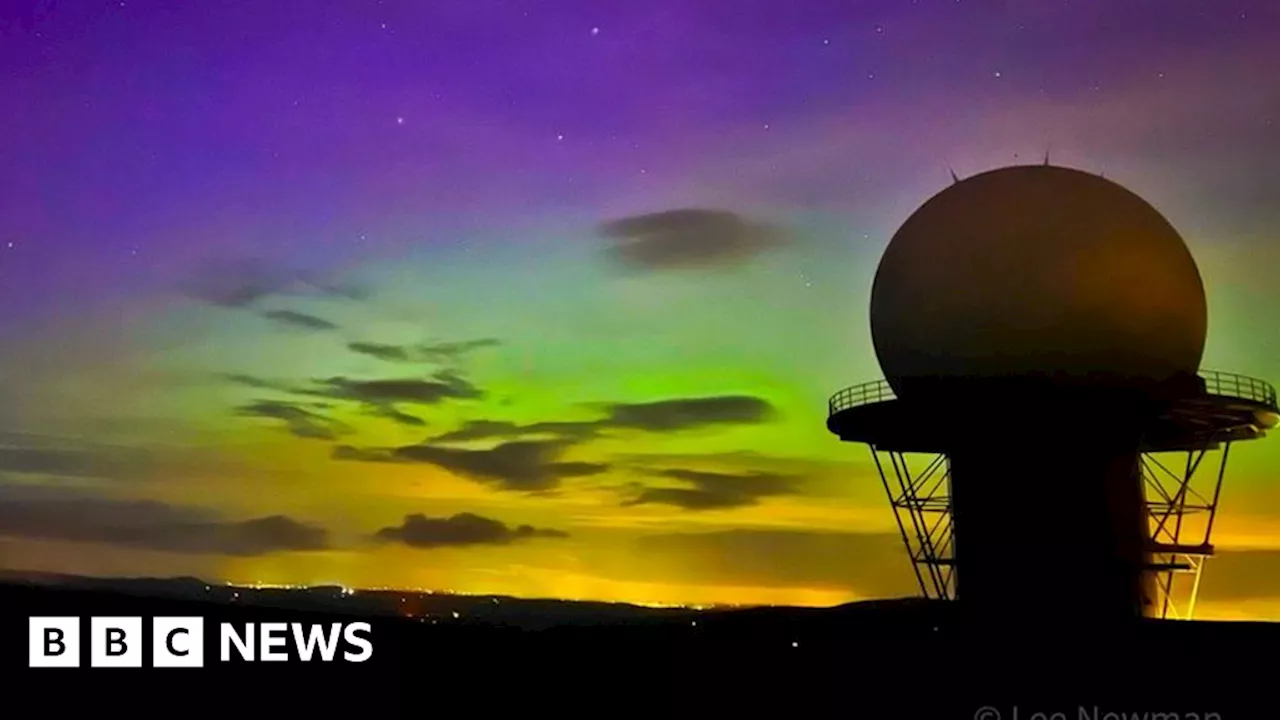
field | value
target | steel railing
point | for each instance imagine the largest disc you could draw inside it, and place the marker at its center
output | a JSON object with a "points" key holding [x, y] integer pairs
{"points": [[864, 394], [1239, 386], [1218, 383]]}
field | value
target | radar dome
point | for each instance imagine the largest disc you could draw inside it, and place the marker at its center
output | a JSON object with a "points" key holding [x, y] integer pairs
{"points": [[1037, 271]]}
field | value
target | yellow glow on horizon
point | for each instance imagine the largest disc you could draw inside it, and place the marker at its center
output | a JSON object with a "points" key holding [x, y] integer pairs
{"points": [[542, 583]]}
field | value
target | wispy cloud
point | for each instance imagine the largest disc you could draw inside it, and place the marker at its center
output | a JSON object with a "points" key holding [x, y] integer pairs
{"points": [[292, 318], [81, 517], [461, 530]]}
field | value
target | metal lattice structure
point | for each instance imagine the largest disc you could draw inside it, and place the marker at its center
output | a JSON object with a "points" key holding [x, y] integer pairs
{"points": [[1181, 497], [1181, 509], [1181, 504], [921, 505]]}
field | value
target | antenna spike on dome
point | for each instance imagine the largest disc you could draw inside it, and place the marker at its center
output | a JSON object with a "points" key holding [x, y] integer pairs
{"points": [[954, 179], [1046, 158]]}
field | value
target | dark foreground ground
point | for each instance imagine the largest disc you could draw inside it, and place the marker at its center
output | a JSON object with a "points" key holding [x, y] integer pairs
{"points": [[890, 659]]}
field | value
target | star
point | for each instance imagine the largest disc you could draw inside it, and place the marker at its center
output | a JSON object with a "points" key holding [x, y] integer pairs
{"points": [[399, 121], [998, 73], [595, 31], [559, 137]]}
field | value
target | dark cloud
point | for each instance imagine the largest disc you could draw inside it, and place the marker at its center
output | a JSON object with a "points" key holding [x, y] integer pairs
{"points": [[454, 350], [153, 526], [391, 353], [686, 413], [820, 477], [689, 238], [41, 461], [389, 412], [483, 430], [377, 398], [661, 416], [438, 352], [527, 466], [523, 466], [442, 386], [461, 530], [241, 283], [67, 458], [355, 454], [713, 490], [299, 320], [490, 429], [437, 388], [258, 383], [862, 564], [55, 458], [300, 421]]}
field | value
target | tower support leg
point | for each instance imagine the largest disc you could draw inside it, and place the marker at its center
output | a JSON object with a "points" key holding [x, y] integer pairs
{"points": [[1182, 503]]}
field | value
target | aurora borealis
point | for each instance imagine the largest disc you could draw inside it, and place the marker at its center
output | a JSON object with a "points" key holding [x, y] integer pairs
{"points": [[537, 298]]}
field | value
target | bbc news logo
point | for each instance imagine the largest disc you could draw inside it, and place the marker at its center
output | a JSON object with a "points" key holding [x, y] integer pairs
{"points": [[179, 642]]}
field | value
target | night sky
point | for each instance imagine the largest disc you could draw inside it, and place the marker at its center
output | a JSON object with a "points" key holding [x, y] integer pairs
{"points": [[547, 298]]}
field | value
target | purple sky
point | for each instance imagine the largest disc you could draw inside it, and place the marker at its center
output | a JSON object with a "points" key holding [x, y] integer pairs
{"points": [[173, 128]]}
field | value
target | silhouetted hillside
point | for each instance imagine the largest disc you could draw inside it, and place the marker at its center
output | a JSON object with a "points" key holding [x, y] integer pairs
{"points": [[908, 653]]}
